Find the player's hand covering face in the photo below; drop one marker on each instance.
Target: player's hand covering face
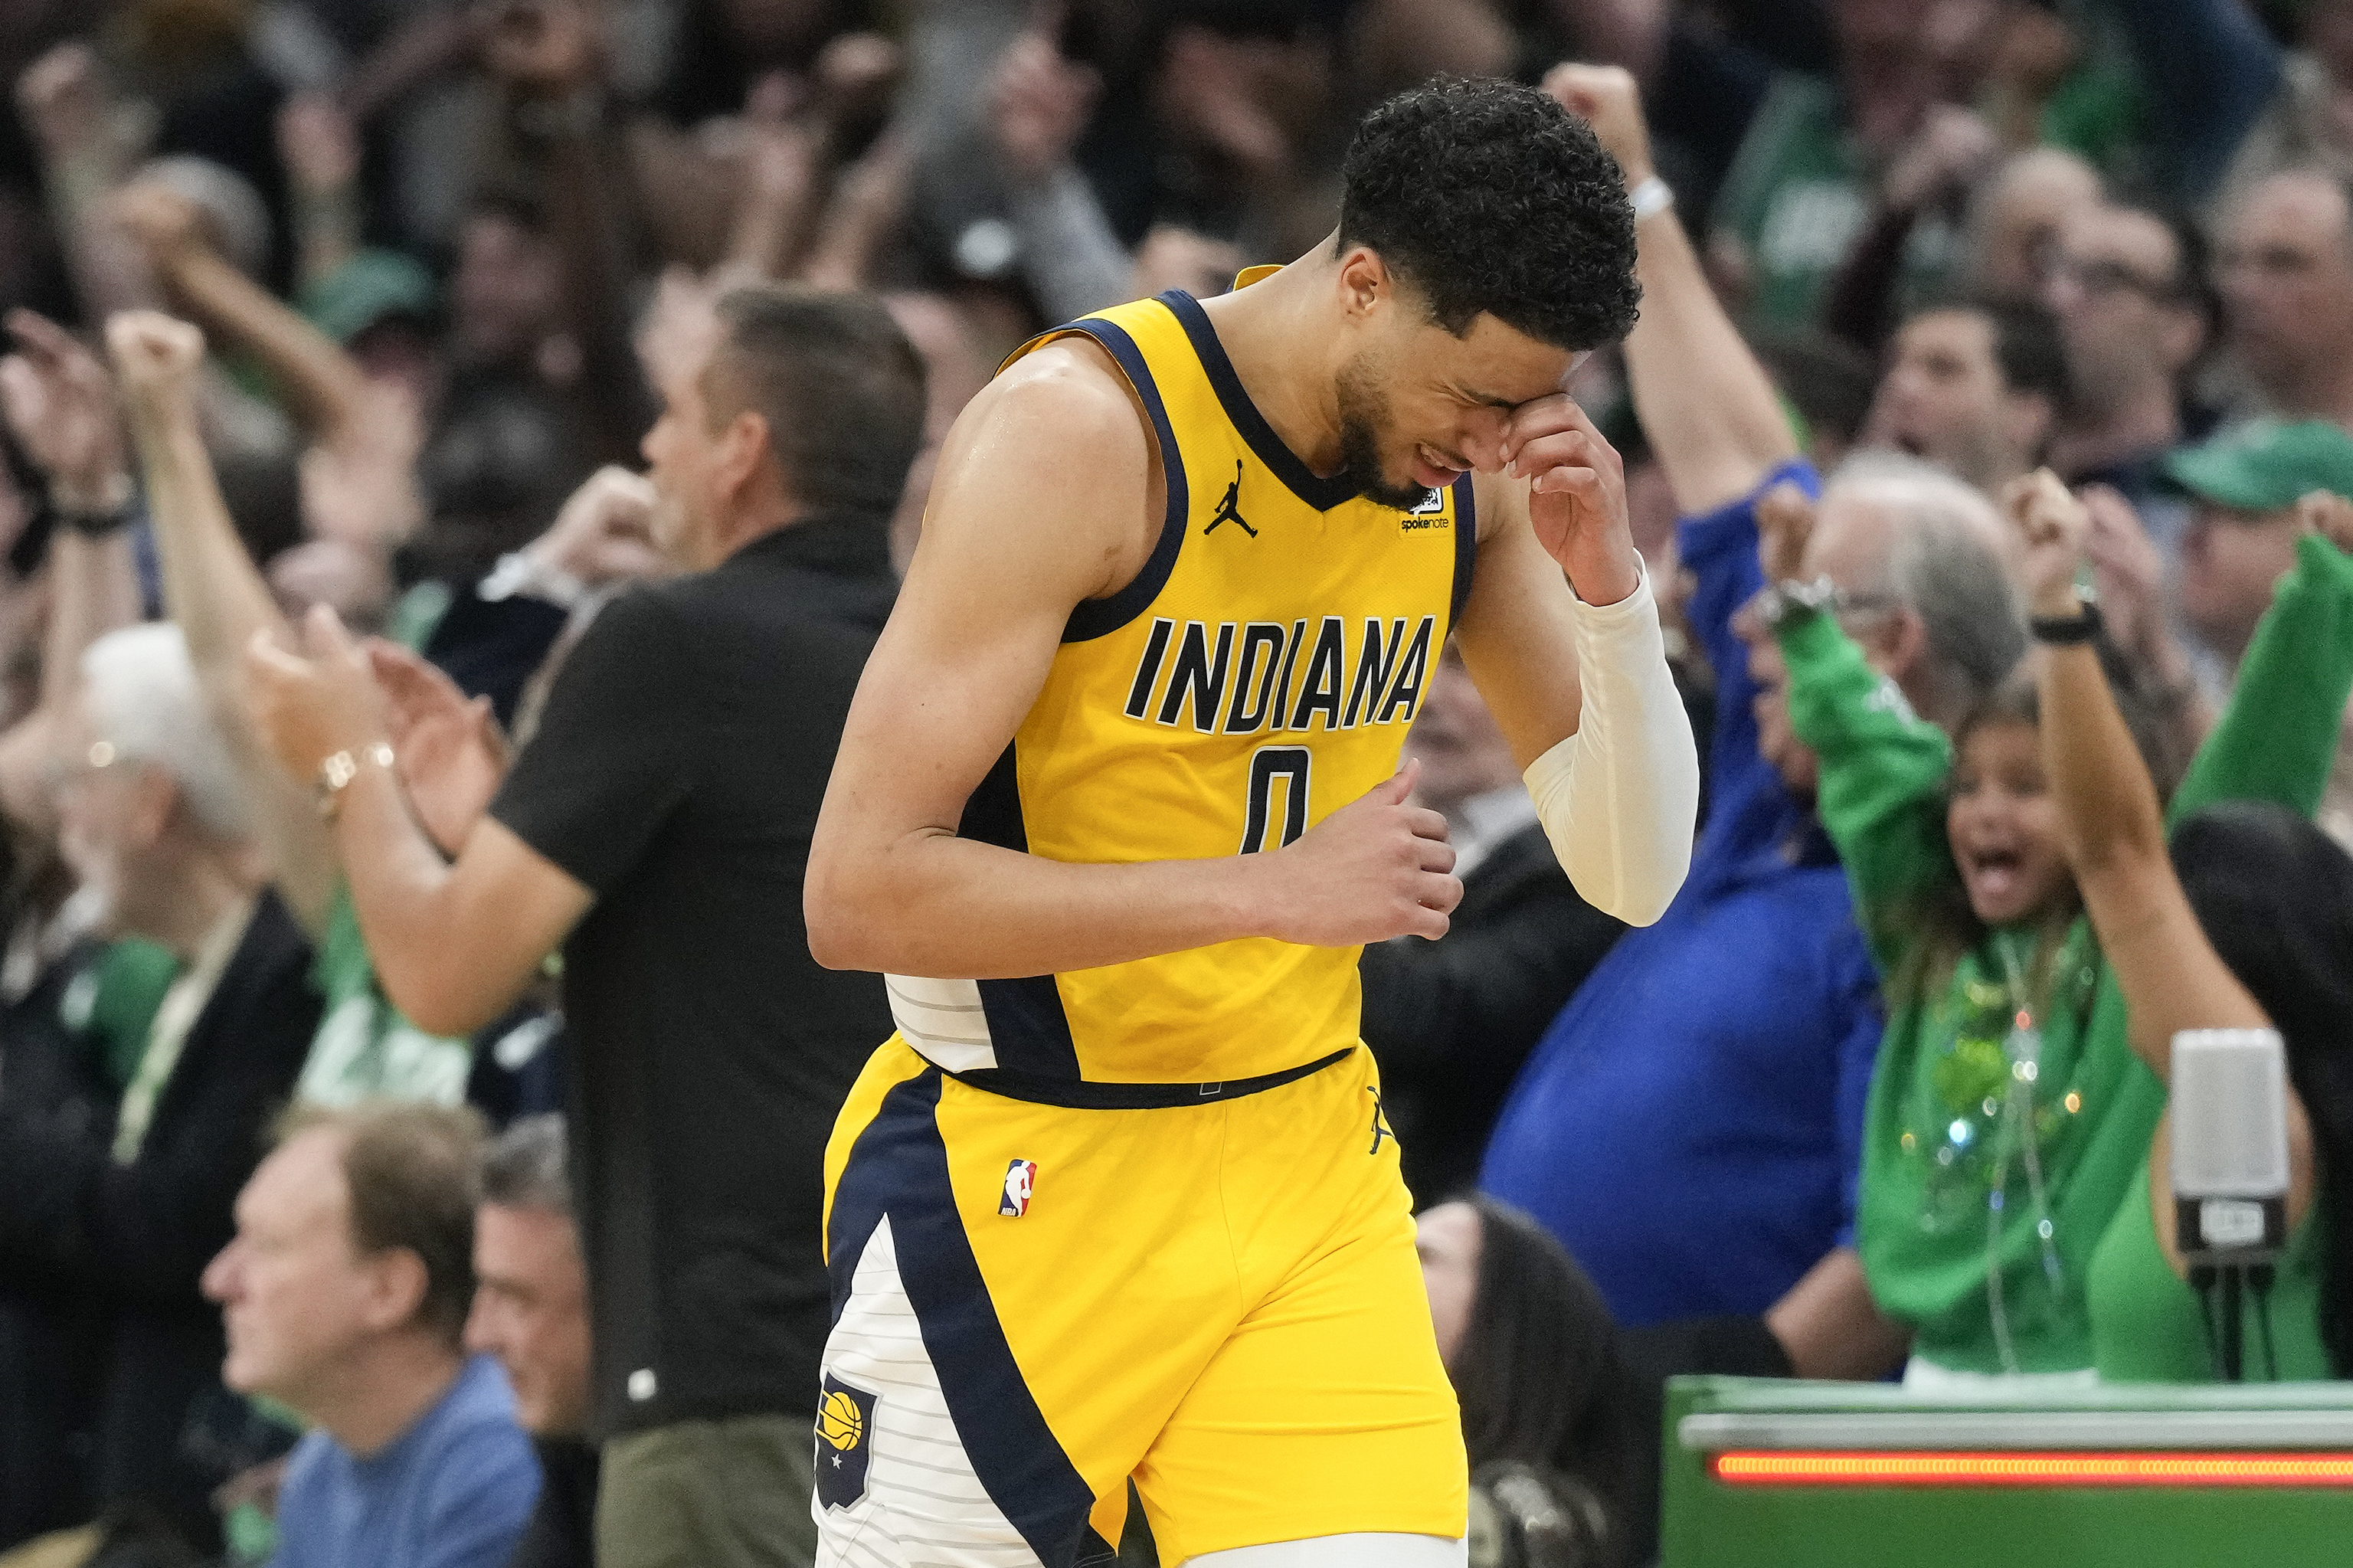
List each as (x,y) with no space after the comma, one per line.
(1420,406)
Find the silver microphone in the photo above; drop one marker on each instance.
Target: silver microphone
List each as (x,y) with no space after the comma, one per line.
(2229,1146)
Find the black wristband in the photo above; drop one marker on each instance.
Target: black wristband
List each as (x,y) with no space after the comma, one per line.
(100,524)
(2067,630)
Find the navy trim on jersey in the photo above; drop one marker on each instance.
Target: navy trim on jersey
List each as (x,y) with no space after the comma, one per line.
(992,813)
(1076,1094)
(1027,1025)
(898,1167)
(1100,617)
(1321,493)
(1466,548)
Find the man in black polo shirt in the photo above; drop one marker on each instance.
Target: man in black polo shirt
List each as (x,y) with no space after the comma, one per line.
(658,826)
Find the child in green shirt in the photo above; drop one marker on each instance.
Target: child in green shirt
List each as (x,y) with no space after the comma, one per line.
(2008,1116)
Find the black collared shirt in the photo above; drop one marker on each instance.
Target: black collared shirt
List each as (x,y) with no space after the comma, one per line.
(677,773)
(563,1528)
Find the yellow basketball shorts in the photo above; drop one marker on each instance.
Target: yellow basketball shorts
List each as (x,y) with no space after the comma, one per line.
(1033,1303)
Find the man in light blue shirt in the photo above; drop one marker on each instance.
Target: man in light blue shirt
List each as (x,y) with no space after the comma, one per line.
(345,1295)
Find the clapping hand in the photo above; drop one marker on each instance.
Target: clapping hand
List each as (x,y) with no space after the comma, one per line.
(605,533)
(316,697)
(360,487)
(2128,570)
(447,749)
(1224,92)
(1952,148)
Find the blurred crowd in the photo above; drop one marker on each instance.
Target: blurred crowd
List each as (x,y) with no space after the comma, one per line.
(364,353)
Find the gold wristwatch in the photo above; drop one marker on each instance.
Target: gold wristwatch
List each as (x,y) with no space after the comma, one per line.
(336,773)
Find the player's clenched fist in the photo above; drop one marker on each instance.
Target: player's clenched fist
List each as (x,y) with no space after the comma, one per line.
(1376,868)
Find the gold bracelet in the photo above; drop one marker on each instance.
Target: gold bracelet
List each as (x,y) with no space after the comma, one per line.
(336,773)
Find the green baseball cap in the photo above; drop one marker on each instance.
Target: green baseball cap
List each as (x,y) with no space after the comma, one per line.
(369,286)
(2265,465)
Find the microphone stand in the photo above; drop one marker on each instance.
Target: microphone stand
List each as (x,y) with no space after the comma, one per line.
(2231,1283)
(2234,1279)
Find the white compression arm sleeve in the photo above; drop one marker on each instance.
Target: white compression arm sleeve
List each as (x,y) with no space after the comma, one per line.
(1618,799)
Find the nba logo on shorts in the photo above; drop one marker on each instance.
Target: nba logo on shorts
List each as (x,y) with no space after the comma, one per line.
(1021,1181)
(845,1430)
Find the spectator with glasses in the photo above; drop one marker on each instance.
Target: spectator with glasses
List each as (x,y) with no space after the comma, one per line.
(2127,286)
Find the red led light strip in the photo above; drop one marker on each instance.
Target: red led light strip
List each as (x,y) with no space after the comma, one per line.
(2001,1468)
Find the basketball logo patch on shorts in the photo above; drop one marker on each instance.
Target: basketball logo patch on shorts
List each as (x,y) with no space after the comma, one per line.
(845,1428)
(1021,1181)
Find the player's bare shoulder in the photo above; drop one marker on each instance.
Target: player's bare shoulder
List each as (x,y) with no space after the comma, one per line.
(1060,435)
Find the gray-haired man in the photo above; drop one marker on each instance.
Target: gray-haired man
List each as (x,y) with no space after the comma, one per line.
(111,1220)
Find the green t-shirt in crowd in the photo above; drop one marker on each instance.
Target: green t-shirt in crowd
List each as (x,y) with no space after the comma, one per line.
(2147,1326)
(364,1049)
(2276,744)
(111,1004)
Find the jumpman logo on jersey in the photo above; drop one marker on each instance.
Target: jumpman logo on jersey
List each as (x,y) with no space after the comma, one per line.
(1226,511)
(1380,1124)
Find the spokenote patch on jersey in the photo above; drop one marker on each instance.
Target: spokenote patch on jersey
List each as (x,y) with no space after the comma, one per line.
(1020,1182)
(845,1430)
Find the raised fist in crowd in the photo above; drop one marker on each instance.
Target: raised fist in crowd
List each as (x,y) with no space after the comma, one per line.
(156,358)
(164,222)
(59,403)
(542,48)
(64,101)
(318,144)
(1606,97)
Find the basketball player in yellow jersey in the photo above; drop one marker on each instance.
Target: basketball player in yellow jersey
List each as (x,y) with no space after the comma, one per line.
(1116,806)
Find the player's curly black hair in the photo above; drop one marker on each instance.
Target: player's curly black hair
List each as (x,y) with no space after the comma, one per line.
(1488,195)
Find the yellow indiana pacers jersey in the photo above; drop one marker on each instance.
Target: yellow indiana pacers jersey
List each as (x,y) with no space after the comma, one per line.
(1257,675)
